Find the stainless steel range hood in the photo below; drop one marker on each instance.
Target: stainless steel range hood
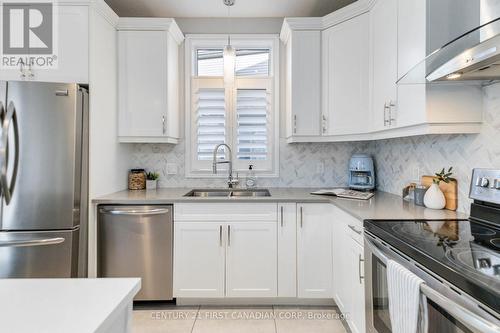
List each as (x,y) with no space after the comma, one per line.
(472,57)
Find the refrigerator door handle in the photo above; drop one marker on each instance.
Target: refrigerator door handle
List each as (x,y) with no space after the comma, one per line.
(10,119)
(32,242)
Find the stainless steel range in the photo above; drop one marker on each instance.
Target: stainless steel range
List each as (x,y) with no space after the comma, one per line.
(459,260)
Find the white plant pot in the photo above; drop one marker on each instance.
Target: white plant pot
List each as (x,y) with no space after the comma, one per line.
(151,184)
(434,197)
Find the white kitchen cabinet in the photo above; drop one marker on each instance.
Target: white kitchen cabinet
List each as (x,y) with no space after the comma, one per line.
(355,257)
(303,81)
(148,74)
(345,68)
(314,251)
(384,61)
(348,260)
(226,254)
(199,259)
(251,259)
(287,250)
(71,44)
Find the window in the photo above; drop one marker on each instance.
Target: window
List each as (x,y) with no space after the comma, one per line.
(244,116)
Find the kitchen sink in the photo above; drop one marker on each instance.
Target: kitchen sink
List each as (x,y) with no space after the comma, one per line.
(227,193)
(250,193)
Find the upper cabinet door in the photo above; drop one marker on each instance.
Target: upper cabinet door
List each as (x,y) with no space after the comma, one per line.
(345,61)
(148,80)
(303,83)
(251,269)
(384,53)
(314,251)
(142,83)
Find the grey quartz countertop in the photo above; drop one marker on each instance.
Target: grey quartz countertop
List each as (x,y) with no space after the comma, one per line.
(382,206)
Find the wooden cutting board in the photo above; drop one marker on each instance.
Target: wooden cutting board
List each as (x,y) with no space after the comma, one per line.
(450,191)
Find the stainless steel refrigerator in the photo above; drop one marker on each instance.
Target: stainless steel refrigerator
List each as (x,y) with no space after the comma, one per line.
(43,179)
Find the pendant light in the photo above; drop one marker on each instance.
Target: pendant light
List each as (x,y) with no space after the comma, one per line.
(229,55)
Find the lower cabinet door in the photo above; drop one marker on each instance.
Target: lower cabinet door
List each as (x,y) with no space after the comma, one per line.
(314,251)
(251,256)
(199,250)
(342,264)
(356,317)
(287,250)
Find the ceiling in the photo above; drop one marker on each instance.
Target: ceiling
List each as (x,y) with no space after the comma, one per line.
(216,8)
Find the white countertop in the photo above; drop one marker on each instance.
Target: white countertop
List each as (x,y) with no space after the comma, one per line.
(63,305)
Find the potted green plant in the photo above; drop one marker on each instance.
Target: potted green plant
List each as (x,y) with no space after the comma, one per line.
(434,198)
(152,180)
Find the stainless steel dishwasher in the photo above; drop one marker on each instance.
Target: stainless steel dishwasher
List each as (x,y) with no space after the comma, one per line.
(136,241)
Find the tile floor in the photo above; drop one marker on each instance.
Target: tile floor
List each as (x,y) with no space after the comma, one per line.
(204,319)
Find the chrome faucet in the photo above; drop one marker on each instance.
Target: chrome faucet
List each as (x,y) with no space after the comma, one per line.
(230,181)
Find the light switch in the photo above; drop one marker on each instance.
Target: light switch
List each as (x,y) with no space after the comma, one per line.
(171,169)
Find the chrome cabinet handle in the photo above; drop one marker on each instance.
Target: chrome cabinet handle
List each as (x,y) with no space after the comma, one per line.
(163,124)
(360,262)
(220,236)
(158,211)
(392,115)
(32,242)
(282,216)
(30,71)
(353,228)
(387,110)
(10,119)
(228,235)
(21,69)
(324,124)
(295,124)
(301,216)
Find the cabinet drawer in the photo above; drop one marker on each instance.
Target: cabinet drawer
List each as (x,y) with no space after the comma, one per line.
(354,227)
(230,212)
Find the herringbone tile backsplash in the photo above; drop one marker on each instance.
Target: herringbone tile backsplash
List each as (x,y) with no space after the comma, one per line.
(396,159)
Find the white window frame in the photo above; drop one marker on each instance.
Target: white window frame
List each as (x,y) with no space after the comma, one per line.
(197,169)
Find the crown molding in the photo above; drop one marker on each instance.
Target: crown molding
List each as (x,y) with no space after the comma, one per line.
(105,11)
(348,12)
(151,24)
(299,23)
(321,23)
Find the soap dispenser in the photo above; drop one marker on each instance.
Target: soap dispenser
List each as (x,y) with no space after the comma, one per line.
(250,180)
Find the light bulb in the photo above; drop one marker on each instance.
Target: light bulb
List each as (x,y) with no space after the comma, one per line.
(229,65)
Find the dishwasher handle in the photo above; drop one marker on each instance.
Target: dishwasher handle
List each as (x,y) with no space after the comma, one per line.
(134,212)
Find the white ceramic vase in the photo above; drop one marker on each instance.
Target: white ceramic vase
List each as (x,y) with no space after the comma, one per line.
(434,197)
(151,184)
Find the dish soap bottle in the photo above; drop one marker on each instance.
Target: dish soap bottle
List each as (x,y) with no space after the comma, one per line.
(250,180)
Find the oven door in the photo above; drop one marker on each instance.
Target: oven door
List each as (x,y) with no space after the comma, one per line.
(446,313)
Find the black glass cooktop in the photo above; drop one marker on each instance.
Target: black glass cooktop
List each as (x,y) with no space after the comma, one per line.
(466,253)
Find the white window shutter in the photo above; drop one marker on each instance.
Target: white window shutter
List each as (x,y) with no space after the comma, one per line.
(252,111)
(210,121)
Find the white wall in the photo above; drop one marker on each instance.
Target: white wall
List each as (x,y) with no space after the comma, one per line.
(270,25)
(109,161)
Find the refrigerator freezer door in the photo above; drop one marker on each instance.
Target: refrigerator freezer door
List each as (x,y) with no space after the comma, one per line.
(45,192)
(44,254)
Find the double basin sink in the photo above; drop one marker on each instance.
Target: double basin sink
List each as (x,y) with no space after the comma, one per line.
(228,193)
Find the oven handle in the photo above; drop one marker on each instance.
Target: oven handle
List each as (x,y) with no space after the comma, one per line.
(466,317)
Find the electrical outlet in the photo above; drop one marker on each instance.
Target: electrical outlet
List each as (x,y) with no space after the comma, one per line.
(171,169)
